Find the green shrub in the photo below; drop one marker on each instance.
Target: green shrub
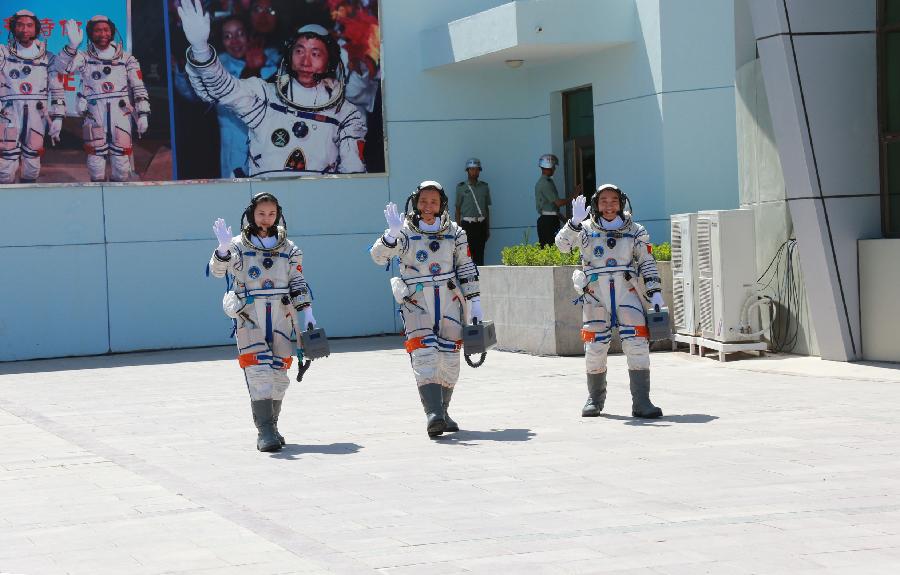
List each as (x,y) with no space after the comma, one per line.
(662,252)
(535,255)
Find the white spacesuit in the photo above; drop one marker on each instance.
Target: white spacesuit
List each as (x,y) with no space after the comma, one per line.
(613,254)
(111,80)
(437,277)
(26,81)
(293,129)
(268,301)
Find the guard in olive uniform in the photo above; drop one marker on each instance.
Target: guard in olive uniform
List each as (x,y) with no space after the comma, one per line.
(547,201)
(473,202)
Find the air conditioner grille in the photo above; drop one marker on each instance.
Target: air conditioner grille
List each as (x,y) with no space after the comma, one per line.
(678,302)
(677,261)
(704,248)
(706,304)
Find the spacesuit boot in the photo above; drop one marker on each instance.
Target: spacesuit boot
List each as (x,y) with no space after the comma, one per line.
(640,395)
(276,410)
(433,402)
(264,418)
(451,425)
(596,383)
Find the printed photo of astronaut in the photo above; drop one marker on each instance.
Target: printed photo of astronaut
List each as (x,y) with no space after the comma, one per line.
(78,103)
(276,88)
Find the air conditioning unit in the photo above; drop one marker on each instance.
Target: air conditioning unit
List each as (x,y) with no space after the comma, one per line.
(726,268)
(684,274)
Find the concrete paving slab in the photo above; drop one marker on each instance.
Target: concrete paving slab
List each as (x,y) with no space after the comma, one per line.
(145,463)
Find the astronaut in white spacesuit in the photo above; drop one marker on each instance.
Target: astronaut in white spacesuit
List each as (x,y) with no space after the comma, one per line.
(109,78)
(26,82)
(615,250)
(437,282)
(269,301)
(300,122)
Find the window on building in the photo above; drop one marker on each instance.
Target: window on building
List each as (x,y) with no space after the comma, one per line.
(889,113)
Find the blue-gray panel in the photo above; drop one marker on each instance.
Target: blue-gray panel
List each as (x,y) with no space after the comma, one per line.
(172,211)
(67,215)
(768,17)
(160,297)
(55,302)
(839,80)
(329,205)
(831,15)
(352,293)
(700,147)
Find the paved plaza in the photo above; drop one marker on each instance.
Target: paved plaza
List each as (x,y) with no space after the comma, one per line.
(146,464)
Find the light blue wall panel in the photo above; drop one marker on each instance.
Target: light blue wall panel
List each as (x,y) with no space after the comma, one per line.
(700,151)
(330,206)
(160,297)
(66,215)
(352,293)
(628,139)
(697,44)
(54,302)
(171,212)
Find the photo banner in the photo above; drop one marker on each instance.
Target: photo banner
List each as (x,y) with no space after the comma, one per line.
(290,89)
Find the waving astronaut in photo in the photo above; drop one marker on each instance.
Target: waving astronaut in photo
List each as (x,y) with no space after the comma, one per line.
(26,82)
(615,250)
(269,300)
(298,122)
(110,77)
(437,280)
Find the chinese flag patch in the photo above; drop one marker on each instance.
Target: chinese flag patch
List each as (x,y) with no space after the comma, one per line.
(649,248)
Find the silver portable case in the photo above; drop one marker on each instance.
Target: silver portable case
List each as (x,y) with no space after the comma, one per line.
(658,325)
(314,343)
(479,337)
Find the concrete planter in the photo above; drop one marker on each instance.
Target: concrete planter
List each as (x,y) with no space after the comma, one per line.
(531,307)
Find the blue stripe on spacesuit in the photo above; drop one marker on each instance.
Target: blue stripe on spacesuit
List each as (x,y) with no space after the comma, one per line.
(252,345)
(437,307)
(632,307)
(453,319)
(613,320)
(269,322)
(287,337)
(306,115)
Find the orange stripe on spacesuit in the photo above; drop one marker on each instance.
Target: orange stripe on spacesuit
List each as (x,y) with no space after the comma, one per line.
(641,331)
(247,359)
(414,344)
(587,336)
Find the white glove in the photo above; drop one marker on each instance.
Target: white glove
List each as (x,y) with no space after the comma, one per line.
(73,33)
(657,301)
(142,122)
(196,27)
(223,234)
(308,317)
(55,129)
(394,222)
(475,310)
(579,211)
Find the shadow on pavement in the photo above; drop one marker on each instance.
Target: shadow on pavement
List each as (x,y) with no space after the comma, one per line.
(463,437)
(662,421)
(292,450)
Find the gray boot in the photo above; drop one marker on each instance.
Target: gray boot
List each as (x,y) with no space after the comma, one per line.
(276,410)
(640,395)
(596,383)
(451,425)
(433,402)
(264,418)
